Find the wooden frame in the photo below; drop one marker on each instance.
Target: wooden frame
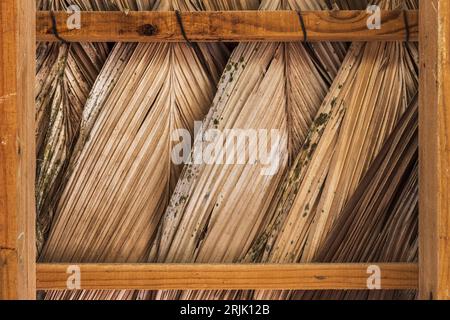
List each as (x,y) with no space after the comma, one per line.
(17,156)
(434,141)
(17,136)
(227,276)
(229,26)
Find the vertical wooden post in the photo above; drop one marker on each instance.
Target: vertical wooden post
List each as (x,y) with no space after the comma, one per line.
(434,247)
(17,149)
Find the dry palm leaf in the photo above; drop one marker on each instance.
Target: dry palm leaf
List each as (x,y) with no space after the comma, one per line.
(386,195)
(122,175)
(255,92)
(88,295)
(364,104)
(380,221)
(215,294)
(65,75)
(291,107)
(357,295)
(217,209)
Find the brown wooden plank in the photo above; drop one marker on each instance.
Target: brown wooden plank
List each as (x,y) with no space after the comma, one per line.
(17,154)
(228,26)
(232,277)
(434,124)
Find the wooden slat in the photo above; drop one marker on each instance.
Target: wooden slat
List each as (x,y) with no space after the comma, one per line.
(232,277)
(434,124)
(229,26)
(17,152)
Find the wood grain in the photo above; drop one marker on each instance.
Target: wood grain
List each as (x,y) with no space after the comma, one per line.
(434,127)
(17,152)
(233,277)
(228,26)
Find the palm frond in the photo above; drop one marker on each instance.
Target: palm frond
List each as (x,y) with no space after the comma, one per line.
(213,205)
(65,74)
(365,103)
(121,174)
(345,189)
(380,221)
(215,211)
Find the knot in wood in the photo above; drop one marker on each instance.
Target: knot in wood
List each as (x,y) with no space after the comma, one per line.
(147,30)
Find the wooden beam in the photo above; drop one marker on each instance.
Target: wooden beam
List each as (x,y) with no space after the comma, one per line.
(434,127)
(231,277)
(17,151)
(228,26)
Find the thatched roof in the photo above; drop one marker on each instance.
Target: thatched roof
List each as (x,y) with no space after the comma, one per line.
(345,185)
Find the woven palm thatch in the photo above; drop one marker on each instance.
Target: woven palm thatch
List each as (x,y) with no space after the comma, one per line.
(255,92)
(380,221)
(378,224)
(217,209)
(121,173)
(143,93)
(345,191)
(88,295)
(386,200)
(65,75)
(365,103)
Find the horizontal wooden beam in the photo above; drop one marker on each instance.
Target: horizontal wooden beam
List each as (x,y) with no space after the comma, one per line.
(227,277)
(228,26)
